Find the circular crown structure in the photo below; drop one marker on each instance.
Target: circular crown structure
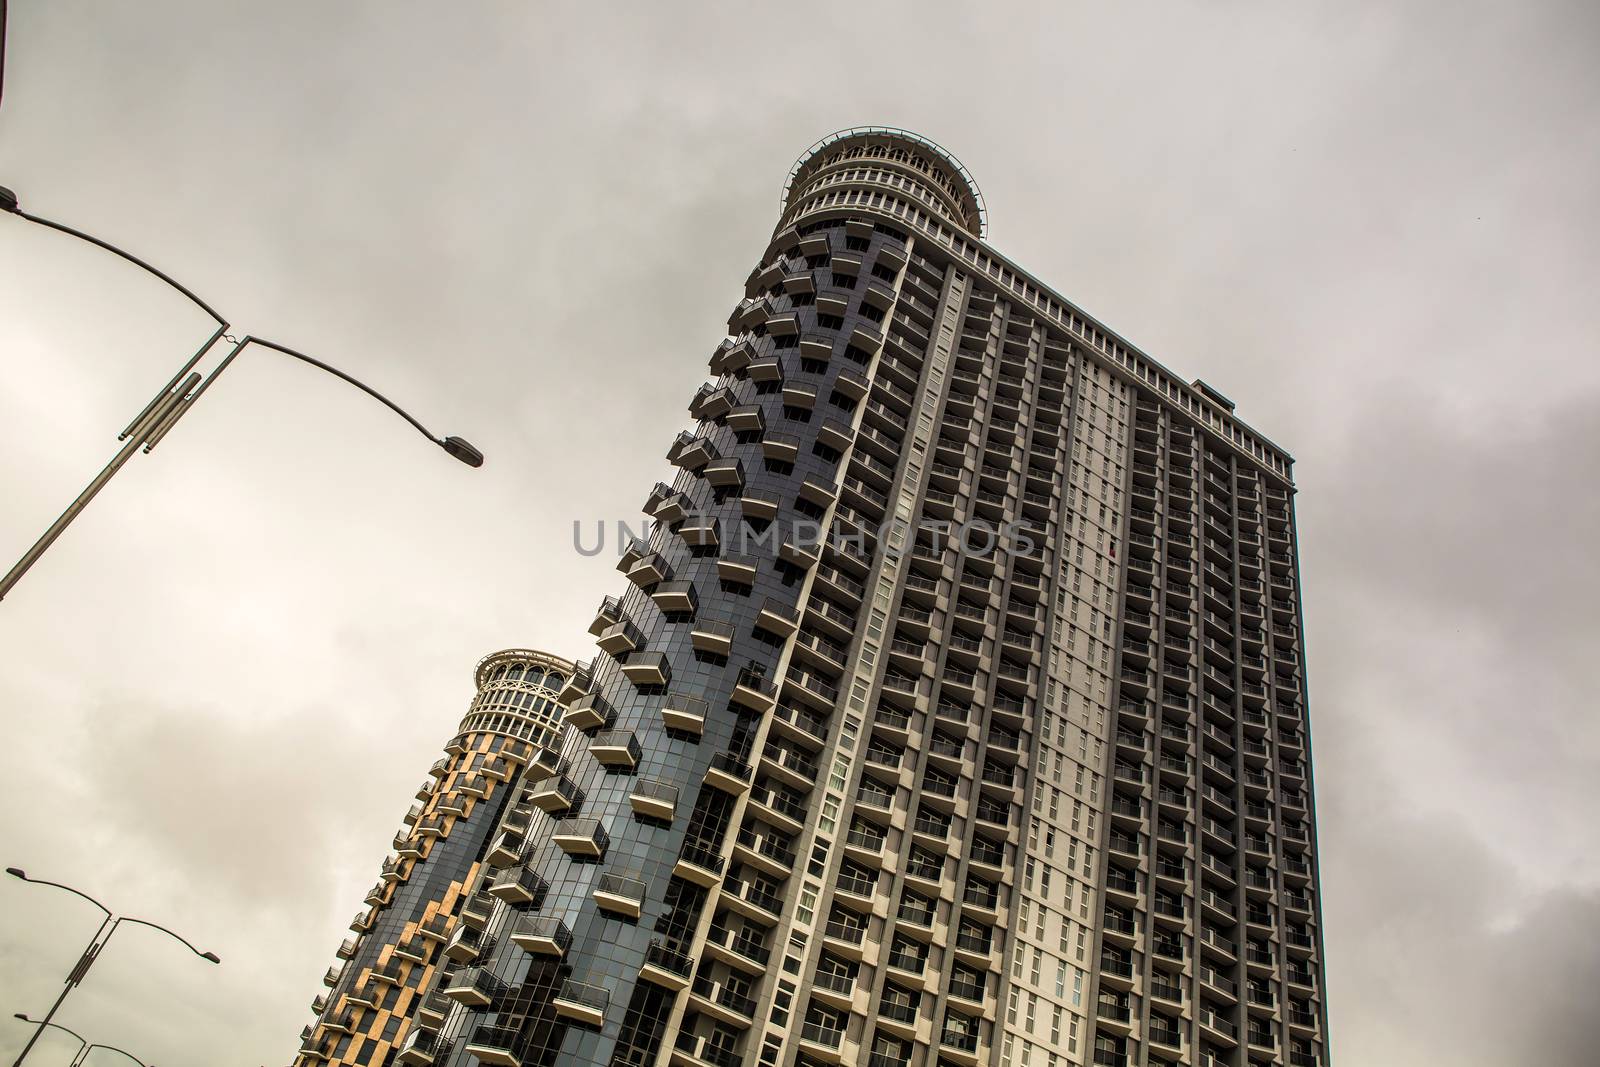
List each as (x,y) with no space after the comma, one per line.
(879,159)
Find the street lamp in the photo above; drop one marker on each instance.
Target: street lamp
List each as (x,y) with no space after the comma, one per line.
(84,1048)
(180,394)
(108,926)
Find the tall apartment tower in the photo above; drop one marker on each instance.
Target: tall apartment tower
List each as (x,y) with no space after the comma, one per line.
(953,712)
(419,916)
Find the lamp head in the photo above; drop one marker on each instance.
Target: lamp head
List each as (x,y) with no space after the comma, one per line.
(463,451)
(8,201)
(212,956)
(17,872)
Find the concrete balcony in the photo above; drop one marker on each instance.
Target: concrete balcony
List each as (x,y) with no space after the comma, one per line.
(542,935)
(618,894)
(582,1003)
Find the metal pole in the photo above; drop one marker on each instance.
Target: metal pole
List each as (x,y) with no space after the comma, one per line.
(158,414)
(59,526)
(75,976)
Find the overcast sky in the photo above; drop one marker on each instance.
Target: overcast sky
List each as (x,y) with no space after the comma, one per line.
(1374,226)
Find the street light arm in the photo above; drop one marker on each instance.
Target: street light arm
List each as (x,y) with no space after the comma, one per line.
(337,373)
(211,956)
(17,873)
(112,1048)
(129,256)
(82,1042)
(455,446)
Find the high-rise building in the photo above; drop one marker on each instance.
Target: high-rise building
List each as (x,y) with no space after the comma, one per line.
(954,711)
(420,915)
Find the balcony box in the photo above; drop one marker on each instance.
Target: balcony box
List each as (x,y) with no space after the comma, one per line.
(785,324)
(607,615)
(647,668)
(413,948)
(545,763)
(728,774)
(713,636)
(698,864)
(878,295)
(364,995)
(748,312)
(814,244)
(760,506)
(777,619)
(506,850)
(331,979)
(576,685)
(724,473)
(851,384)
(518,885)
(765,369)
(476,911)
(833,302)
(582,1003)
(432,1011)
(704,531)
(474,987)
(692,454)
(816,348)
(654,799)
(866,337)
(616,748)
(620,638)
(672,508)
(617,894)
(803,556)
(754,693)
(731,357)
(555,795)
(647,570)
(389,973)
(497,1046)
(835,434)
(474,785)
(581,838)
(737,570)
(747,418)
(666,967)
(589,712)
(684,713)
(422,1048)
(658,492)
(464,945)
(542,935)
(676,597)
(822,1040)
(711,401)
(782,447)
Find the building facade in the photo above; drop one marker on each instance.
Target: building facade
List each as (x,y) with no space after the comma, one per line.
(952,713)
(420,917)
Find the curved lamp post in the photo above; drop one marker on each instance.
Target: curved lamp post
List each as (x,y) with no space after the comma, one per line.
(84,1047)
(180,394)
(108,926)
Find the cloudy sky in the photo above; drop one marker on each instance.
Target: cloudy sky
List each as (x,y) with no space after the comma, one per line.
(1372,225)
